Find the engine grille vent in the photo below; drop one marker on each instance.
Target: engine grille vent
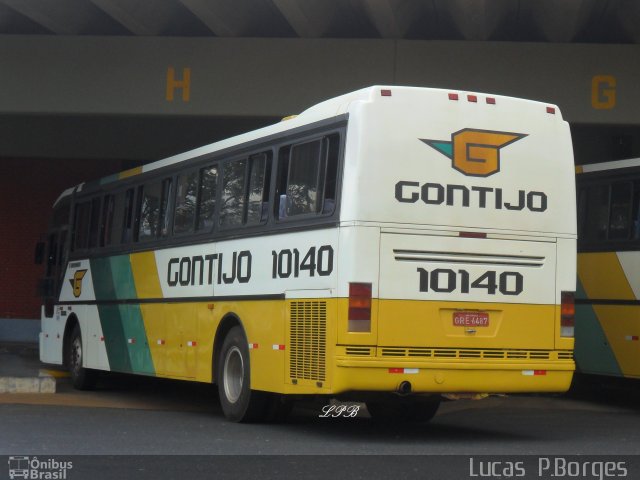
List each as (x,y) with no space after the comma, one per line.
(358,351)
(308,345)
(475,353)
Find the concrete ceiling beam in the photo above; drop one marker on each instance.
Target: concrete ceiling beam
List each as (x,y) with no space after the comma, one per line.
(476,19)
(309,19)
(62,17)
(140,18)
(393,18)
(560,22)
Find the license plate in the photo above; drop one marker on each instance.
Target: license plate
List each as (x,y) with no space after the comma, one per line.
(470,319)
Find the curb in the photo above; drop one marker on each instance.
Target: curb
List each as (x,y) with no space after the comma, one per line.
(43,383)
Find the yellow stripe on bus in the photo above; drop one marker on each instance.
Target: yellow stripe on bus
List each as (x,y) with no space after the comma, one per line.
(130,173)
(618,321)
(602,276)
(145,275)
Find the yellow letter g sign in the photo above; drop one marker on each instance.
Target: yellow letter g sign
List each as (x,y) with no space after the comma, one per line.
(603,92)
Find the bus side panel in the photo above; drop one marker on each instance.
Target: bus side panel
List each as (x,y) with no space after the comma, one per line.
(264,324)
(50,337)
(613,329)
(93,337)
(593,351)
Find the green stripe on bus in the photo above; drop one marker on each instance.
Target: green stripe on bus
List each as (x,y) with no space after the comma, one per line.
(138,346)
(109,179)
(113,279)
(122,325)
(111,320)
(593,353)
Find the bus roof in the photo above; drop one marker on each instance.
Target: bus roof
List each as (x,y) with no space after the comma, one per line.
(322,111)
(604,166)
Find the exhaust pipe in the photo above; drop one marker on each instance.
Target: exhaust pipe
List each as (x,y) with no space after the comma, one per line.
(404,388)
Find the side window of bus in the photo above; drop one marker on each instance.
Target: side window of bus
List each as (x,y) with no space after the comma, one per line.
(106,224)
(185,206)
(620,211)
(52,257)
(258,188)
(95,222)
(127,226)
(636,210)
(206,205)
(113,216)
(331,176)
(232,195)
(596,217)
(609,212)
(61,213)
(305,168)
(81,225)
(307,175)
(153,209)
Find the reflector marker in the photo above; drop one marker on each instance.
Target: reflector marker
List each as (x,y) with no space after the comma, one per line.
(534,373)
(385,93)
(253,346)
(131,340)
(472,98)
(472,234)
(631,338)
(191,344)
(102,339)
(453,96)
(404,370)
(551,110)
(278,347)
(160,341)
(491,100)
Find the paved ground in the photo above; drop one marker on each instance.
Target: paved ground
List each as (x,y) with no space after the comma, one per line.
(152,416)
(129,415)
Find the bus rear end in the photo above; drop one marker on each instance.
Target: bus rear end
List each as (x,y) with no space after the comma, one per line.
(457,245)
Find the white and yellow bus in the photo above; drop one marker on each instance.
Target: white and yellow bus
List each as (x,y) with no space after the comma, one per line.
(392,244)
(608,297)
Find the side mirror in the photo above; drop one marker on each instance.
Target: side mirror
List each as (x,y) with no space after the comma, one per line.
(39,253)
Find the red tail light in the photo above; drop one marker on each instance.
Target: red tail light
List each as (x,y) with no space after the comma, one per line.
(359,307)
(567,314)
(472,234)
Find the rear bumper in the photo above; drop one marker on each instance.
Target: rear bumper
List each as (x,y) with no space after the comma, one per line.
(457,376)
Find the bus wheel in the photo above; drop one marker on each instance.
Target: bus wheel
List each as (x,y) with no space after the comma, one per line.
(404,409)
(81,378)
(239,402)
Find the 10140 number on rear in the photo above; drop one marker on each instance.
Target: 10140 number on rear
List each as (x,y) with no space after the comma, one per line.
(446,280)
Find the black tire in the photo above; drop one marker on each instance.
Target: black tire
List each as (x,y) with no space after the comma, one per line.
(239,403)
(404,409)
(81,378)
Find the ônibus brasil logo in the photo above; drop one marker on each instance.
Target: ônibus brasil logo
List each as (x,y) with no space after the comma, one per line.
(473,152)
(32,468)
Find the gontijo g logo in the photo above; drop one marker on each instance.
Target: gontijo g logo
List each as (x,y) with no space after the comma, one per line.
(474,152)
(76,282)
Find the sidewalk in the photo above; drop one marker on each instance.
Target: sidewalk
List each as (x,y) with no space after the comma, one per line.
(21,370)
